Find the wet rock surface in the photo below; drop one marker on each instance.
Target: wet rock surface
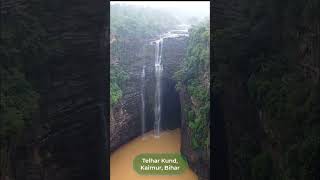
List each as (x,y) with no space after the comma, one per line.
(174,52)
(125,119)
(125,122)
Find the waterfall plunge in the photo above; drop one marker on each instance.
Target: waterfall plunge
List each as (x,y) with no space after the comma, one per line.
(158,73)
(142,100)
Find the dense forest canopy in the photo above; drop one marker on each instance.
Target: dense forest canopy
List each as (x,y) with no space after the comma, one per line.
(128,21)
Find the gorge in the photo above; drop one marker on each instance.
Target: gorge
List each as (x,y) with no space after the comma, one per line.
(54,116)
(150,97)
(56,122)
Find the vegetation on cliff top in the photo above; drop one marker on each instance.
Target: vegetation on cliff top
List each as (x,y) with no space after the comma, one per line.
(133,22)
(131,25)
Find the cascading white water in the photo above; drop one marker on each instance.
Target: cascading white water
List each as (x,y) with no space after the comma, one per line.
(142,100)
(158,73)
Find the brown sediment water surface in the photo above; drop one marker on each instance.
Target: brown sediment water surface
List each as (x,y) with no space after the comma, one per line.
(121,161)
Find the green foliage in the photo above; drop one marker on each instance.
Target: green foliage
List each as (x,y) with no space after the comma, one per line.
(115,84)
(115,93)
(12,123)
(138,22)
(18,103)
(23,49)
(118,76)
(262,167)
(131,25)
(310,155)
(265,53)
(302,158)
(284,94)
(198,91)
(197,58)
(198,116)
(192,75)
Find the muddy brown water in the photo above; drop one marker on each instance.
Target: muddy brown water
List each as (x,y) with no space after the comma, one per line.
(121,167)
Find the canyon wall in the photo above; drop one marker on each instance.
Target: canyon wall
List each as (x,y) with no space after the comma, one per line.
(239,129)
(72,140)
(174,53)
(125,119)
(268,122)
(66,140)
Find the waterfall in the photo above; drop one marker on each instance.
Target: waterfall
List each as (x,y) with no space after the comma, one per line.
(158,73)
(142,100)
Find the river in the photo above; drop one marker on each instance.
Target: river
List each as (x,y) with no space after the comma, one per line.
(121,167)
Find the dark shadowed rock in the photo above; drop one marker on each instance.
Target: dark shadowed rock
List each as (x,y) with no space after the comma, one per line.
(174,51)
(72,140)
(68,141)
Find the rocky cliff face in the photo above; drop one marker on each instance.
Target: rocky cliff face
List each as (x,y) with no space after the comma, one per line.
(125,119)
(72,140)
(236,129)
(126,115)
(68,140)
(273,30)
(174,52)
(198,160)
